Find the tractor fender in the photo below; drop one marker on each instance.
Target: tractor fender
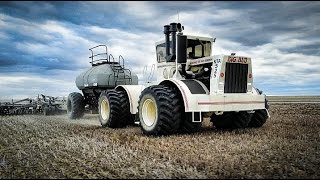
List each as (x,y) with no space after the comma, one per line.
(257,91)
(133,92)
(187,88)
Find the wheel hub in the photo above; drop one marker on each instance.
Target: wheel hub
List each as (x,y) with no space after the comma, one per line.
(149,112)
(105,109)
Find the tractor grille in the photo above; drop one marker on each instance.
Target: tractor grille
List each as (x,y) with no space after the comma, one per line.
(236,78)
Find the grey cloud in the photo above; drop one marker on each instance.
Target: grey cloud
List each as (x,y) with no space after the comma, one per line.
(49,37)
(6,62)
(313,49)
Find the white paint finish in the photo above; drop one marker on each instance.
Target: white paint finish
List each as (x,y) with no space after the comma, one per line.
(133,92)
(219,66)
(219,102)
(217,83)
(165,70)
(225,102)
(183,88)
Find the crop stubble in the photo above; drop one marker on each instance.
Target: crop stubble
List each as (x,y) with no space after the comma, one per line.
(287,146)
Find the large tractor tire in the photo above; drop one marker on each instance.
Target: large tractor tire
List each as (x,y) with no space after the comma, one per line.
(231,120)
(187,126)
(114,109)
(259,117)
(160,110)
(75,105)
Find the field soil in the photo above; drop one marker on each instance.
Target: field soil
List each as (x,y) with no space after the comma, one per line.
(36,146)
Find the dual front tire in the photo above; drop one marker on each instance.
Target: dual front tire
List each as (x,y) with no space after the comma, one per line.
(258,118)
(231,120)
(242,119)
(239,120)
(161,112)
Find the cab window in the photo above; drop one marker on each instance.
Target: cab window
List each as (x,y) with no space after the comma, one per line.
(161,52)
(197,49)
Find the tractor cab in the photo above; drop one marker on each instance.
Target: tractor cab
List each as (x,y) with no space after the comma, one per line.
(196,51)
(197,47)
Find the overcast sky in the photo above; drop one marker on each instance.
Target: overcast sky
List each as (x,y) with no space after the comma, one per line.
(44,45)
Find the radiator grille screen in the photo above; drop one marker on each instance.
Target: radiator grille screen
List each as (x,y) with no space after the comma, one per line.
(236,78)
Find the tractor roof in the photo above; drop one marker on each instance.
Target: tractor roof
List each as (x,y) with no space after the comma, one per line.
(202,38)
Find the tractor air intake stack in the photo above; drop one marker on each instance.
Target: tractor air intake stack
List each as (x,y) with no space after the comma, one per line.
(172,28)
(167,32)
(181,49)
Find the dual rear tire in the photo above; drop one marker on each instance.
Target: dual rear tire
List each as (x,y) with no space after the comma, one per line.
(114,109)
